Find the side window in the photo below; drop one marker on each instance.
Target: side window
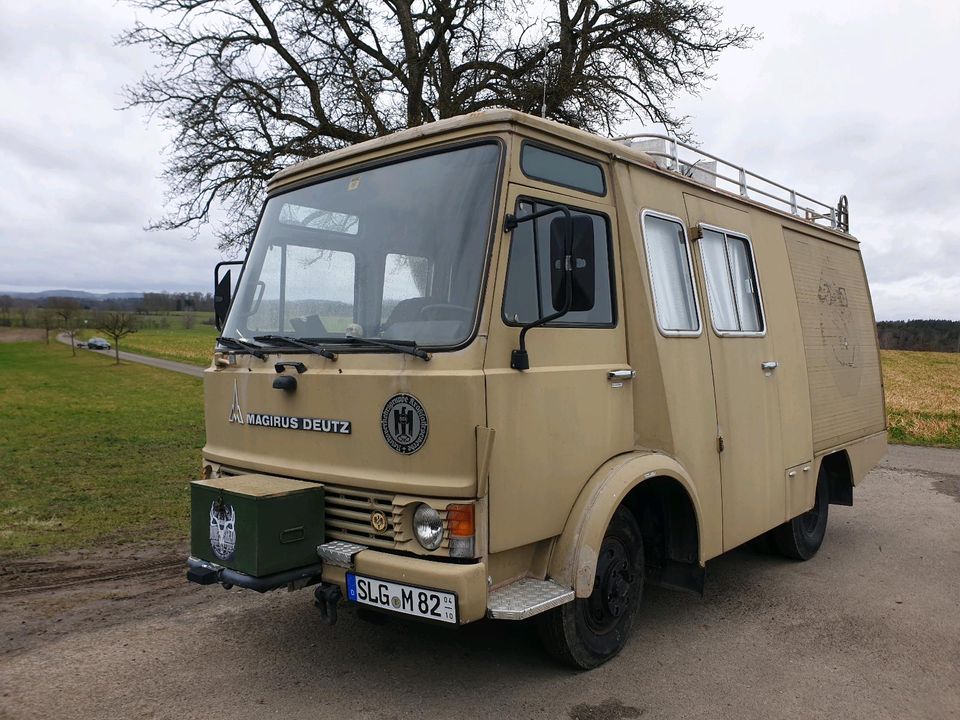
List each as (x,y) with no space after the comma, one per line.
(405,277)
(527,295)
(561,169)
(287,299)
(668,258)
(732,287)
(311,311)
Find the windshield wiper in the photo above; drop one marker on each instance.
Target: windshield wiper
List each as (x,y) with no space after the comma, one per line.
(243,345)
(404,346)
(297,342)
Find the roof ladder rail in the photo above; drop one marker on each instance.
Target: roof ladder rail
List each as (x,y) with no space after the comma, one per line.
(700,166)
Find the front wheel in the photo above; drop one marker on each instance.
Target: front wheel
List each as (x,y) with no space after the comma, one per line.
(801,537)
(589,631)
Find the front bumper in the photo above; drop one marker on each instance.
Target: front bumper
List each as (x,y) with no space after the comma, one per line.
(467,581)
(208,573)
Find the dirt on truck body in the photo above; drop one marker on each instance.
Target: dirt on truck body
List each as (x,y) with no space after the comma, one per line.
(497,367)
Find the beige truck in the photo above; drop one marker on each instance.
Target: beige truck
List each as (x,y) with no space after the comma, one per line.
(495,367)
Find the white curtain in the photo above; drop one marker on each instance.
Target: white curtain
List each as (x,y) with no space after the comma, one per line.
(723,308)
(670,274)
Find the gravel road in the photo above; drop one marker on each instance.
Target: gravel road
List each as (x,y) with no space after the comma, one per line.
(170,365)
(870,628)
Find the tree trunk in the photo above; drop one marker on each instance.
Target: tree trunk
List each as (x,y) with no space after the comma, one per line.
(116,350)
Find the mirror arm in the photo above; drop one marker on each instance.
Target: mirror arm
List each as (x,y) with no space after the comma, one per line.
(519,359)
(510,222)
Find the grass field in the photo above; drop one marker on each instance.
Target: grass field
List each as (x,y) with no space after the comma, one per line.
(923,397)
(93,452)
(194,346)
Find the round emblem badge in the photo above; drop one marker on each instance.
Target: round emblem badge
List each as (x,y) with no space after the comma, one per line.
(378,521)
(404,424)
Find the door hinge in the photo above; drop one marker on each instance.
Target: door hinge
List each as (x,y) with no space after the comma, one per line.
(719,443)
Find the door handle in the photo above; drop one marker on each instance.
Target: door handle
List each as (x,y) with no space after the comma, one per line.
(770,365)
(621,374)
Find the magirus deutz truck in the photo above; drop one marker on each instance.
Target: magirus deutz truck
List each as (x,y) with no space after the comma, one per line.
(495,367)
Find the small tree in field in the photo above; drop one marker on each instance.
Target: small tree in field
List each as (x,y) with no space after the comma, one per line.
(69,314)
(48,321)
(117,325)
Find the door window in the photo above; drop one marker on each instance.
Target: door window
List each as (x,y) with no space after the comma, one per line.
(527,295)
(732,287)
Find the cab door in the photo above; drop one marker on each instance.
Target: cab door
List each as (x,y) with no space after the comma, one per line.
(744,363)
(571,411)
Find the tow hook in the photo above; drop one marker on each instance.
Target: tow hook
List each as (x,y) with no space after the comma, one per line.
(326,597)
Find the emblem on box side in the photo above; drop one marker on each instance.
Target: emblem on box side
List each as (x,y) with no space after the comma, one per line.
(223,530)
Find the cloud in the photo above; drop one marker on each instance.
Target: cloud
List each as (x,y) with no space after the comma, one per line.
(855,99)
(80,177)
(837,98)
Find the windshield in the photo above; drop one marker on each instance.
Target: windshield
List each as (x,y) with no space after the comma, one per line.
(394,253)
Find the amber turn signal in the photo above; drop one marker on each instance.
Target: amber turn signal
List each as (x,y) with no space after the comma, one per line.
(460,520)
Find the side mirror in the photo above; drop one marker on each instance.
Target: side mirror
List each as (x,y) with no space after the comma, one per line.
(578,232)
(222,292)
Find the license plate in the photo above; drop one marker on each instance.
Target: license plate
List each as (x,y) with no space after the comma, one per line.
(407,599)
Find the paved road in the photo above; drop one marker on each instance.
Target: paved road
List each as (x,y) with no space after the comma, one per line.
(870,628)
(144,359)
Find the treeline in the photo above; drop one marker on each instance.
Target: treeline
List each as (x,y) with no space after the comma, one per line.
(31,312)
(935,335)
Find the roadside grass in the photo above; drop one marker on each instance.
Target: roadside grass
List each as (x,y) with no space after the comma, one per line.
(923,397)
(92,452)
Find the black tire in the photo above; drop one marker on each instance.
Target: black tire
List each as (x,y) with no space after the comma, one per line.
(589,631)
(801,537)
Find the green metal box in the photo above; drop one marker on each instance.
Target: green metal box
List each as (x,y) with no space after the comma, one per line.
(256,524)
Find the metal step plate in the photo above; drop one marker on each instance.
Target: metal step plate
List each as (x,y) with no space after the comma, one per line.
(339,552)
(526,598)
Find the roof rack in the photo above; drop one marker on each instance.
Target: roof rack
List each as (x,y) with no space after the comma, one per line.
(672,154)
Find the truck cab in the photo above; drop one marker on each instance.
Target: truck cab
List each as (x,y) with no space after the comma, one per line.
(498,367)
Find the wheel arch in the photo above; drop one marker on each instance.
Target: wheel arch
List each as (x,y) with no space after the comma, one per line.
(839,473)
(625,479)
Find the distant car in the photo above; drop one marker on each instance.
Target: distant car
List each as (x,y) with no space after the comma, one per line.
(98,344)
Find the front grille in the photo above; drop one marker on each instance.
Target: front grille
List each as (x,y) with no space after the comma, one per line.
(348,516)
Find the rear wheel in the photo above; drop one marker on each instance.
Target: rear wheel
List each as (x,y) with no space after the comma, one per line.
(801,537)
(589,631)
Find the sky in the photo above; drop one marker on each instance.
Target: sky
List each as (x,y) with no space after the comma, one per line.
(854,98)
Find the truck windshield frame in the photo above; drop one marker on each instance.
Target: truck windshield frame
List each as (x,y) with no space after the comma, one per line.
(328,255)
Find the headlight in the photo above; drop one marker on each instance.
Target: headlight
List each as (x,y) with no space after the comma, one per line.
(428,527)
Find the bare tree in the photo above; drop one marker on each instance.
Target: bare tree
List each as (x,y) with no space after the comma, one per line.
(68,312)
(189,319)
(6,302)
(23,311)
(48,321)
(117,325)
(250,86)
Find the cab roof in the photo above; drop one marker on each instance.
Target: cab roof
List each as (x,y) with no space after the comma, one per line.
(494,120)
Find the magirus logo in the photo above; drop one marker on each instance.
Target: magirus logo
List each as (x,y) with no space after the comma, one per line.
(236,414)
